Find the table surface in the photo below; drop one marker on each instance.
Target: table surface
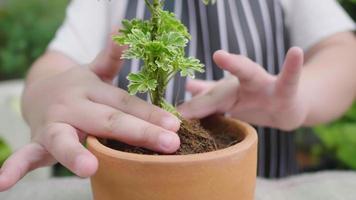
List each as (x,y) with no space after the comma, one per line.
(329,185)
(13,129)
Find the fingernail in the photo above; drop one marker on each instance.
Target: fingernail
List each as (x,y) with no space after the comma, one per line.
(227,54)
(170,123)
(167,141)
(224,52)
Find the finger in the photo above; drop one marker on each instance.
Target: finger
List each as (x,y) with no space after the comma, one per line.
(26,159)
(196,87)
(62,142)
(121,100)
(288,79)
(242,67)
(107,122)
(217,100)
(108,63)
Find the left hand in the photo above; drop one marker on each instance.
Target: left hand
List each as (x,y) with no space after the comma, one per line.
(251,94)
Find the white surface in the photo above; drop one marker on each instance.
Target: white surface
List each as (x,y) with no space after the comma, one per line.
(330,185)
(318,186)
(12,127)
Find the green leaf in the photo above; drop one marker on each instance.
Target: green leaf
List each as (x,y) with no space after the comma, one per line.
(155,48)
(151,84)
(140,83)
(136,77)
(165,64)
(5,151)
(174,39)
(170,23)
(128,25)
(133,88)
(139,35)
(189,66)
(133,53)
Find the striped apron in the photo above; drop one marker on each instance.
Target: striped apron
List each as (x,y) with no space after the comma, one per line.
(254,28)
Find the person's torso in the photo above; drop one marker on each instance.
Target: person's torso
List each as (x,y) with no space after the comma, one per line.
(254,28)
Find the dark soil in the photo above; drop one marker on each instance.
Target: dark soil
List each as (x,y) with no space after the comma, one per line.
(196,136)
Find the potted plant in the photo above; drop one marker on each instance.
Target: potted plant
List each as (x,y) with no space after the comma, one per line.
(218,155)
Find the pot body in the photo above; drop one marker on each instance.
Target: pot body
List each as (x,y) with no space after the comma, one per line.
(227,174)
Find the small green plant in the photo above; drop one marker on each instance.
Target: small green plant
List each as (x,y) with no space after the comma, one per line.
(159,43)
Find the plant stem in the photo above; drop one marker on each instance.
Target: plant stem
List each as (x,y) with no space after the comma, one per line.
(156,6)
(157,95)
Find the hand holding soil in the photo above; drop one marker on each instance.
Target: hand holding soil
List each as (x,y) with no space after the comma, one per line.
(63,108)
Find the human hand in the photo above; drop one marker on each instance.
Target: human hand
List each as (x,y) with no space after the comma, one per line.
(62,109)
(251,94)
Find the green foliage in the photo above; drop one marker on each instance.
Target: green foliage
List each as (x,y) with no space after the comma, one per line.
(141,83)
(350,7)
(160,43)
(5,151)
(26,28)
(339,138)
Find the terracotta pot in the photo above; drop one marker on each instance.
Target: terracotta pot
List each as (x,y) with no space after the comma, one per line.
(227,174)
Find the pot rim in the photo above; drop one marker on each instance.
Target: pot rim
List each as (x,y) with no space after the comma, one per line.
(250,138)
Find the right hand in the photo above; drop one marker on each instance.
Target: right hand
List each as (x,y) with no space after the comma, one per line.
(62,109)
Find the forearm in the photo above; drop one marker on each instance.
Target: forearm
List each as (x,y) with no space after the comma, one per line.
(328,83)
(49,64)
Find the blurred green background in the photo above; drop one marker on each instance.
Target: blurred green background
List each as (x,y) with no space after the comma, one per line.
(26,27)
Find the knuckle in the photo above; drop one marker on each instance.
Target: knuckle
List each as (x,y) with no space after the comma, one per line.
(210,93)
(124,99)
(147,135)
(113,121)
(52,132)
(151,115)
(154,115)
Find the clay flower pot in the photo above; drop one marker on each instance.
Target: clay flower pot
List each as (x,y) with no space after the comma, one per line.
(226,174)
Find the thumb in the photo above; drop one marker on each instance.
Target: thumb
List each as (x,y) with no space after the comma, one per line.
(197,87)
(108,63)
(288,79)
(240,66)
(218,99)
